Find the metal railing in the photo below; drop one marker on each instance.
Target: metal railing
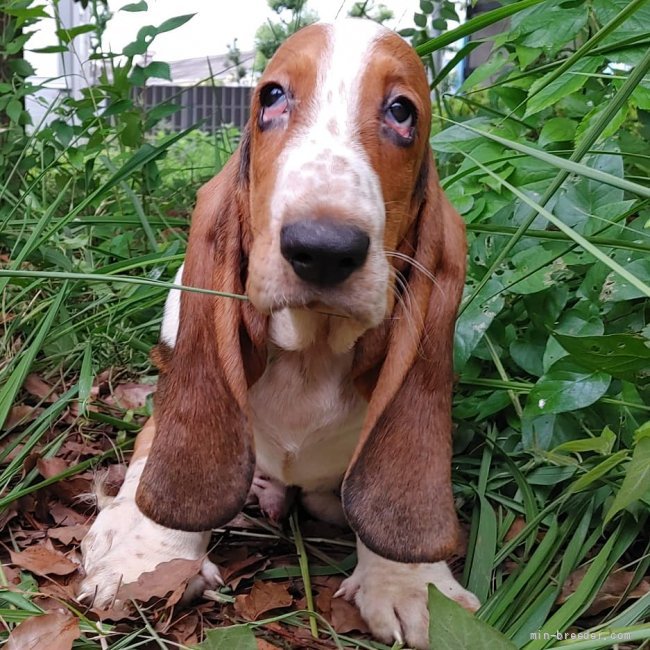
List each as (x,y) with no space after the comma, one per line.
(213,106)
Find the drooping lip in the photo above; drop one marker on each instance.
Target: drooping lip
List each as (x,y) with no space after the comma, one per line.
(359,313)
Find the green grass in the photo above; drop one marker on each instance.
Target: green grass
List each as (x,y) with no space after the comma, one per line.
(549,166)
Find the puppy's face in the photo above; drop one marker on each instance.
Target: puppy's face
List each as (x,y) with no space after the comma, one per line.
(339,131)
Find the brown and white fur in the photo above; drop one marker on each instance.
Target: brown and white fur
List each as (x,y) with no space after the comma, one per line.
(344,389)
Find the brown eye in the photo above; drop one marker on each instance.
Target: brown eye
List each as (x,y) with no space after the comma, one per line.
(400,116)
(275,103)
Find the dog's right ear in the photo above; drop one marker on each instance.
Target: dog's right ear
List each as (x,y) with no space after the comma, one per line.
(201,462)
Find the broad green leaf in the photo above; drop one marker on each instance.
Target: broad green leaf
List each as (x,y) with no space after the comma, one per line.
(14,110)
(238,637)
(636,482)
(453,628)
(602,444)
(457,137)
(68,34)
(565,387)
(574,322)
(474,322)
(617,288)
(570,82)
(636,25)
(173,23)
(557,129)
(525,279)
(493,65)
(527,55)
(620,355)
(155,69)
(135,6)
(612,127)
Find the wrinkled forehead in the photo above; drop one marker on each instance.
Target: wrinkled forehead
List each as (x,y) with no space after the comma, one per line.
(348,63)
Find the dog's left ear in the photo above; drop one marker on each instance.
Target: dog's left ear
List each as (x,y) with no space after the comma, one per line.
(397,492)
(201,462)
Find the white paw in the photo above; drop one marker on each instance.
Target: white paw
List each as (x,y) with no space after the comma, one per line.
(392,597)
(122,544)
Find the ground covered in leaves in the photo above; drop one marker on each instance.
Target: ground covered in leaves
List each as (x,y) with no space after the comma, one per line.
(41,533)
(259,561)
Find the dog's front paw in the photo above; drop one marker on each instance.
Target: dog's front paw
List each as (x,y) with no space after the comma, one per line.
(122,544)
(392,597)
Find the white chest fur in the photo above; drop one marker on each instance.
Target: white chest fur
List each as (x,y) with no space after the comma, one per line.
(306,414)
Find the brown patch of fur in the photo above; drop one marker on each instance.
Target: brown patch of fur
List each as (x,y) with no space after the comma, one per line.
(201,462)
(397,492)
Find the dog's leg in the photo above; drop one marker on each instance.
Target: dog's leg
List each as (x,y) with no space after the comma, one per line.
(392,596)
(122,543)
(325,505)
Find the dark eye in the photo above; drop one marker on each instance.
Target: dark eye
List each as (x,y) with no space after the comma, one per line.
(400,116)
(275,103)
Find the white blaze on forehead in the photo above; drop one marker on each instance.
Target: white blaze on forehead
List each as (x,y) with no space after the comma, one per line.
(325,160)
(338,94)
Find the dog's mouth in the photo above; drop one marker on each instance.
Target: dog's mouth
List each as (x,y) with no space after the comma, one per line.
(320,307)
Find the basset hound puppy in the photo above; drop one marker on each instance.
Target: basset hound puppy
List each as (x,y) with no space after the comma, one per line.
(336,375)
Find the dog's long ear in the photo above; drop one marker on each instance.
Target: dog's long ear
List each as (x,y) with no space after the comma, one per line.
(201,463)
(397,491)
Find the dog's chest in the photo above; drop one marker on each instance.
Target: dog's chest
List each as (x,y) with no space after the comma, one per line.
(306,417)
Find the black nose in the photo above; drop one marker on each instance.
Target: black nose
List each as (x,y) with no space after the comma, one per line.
(322,251)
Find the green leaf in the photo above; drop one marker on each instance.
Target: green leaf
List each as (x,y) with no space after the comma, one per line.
(458,137)
(14,110)
(617,288)
(66,35)
(548,94)
(636,482)
(557,129)
(599,471)
(565,387)
(524,279)
(603,444)
(620,355)
(420,20)
(50,49)
(474,25)
(140,74)
(426,6)
(612,127)
(453,628)
(135,6)
(158,70)
(173,23)
(474,322)
(527,55)
(493,65)
(238,637)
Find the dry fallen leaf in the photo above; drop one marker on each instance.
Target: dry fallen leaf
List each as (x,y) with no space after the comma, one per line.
(44,561)
(68,534)
(264,596)
(167,577)
(21,413)
(40,388)
(610,592)
(53,631)
(343,616)
(130,396)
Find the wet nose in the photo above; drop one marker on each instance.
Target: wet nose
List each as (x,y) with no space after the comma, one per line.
(323,252)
